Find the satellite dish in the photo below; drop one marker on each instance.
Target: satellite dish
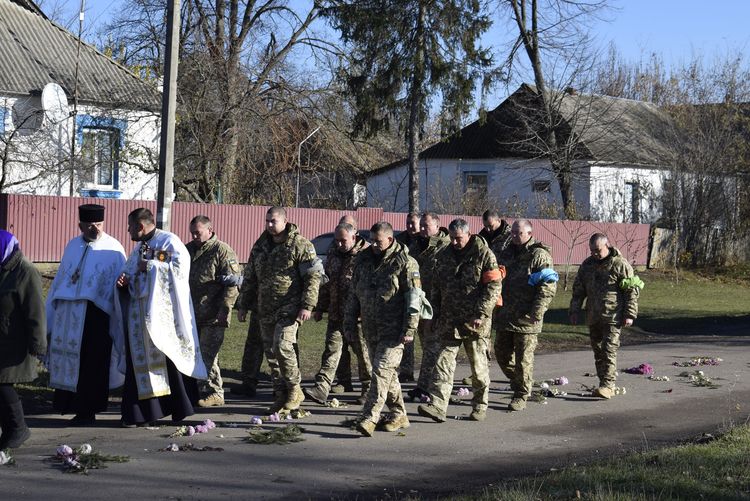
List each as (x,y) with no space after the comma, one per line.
(55,103)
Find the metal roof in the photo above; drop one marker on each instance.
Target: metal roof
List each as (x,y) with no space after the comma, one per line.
(35,51)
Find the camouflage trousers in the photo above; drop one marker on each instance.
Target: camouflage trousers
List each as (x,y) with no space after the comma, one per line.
(515,355)
(385,388)
(252,357)
(279,339)
(429,339)
(211,338)
(441,384)
(332,357)
(605,339)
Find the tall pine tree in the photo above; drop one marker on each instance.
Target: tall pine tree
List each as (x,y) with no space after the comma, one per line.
(402,54)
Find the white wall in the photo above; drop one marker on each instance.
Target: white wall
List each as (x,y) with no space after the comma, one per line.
(42,150)
(442,180)
(610,195)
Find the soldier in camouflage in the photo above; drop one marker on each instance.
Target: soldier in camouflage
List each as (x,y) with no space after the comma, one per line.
(281,283)
(213,269)
(466,287)
(496,232)
(385,293)
(433,240)
(409,238)
(606,282)
(528,290)
(339,268)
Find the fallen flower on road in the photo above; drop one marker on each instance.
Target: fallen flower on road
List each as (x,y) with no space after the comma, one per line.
(646,369)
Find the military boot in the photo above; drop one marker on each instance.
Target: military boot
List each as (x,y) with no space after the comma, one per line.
(603,392)
(15,431)
(432,412)
(478,415)
(366,427)
(517,404)
(294,398)
(317,394)
(396,423)
(278,404)
(213,400)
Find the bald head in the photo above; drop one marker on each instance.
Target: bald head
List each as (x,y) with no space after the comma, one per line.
(520,232)
(350,220)
(599,246)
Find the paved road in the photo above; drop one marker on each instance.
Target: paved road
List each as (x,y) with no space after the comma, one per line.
(431,458)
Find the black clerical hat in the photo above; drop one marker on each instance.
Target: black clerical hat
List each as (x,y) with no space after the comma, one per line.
(91,213)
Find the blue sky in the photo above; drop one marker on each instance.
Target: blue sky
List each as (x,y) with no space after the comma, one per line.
(674,28)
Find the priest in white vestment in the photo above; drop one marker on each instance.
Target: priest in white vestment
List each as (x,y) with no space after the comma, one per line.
(85,336)
(163,356)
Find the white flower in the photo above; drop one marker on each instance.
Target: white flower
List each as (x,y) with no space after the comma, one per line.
(85,449)
(5,458)
(544,386)
(173,447)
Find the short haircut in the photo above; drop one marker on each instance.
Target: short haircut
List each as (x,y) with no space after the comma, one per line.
(431,215)
(491,214)
(349,219)
(524,223)
(382,227)
(279,211)
(142,215)
(200,219)
(459,225)
(412,215)
(346,227)
(598,237)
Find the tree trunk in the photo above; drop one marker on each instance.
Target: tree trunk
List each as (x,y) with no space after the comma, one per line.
(565,181)
(415,105)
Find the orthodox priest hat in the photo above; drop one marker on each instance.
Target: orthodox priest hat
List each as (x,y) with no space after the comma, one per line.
(91,213)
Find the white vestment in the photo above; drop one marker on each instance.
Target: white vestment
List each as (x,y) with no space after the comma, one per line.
(159,311)
(88,272)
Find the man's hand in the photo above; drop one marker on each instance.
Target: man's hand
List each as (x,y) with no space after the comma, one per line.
(303,315)
(476,323)
(407,338)
(627,322)
(317,315)
(122,281)
(241,315)
(573,318)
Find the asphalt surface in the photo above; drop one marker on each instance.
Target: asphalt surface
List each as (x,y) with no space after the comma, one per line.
(429,459)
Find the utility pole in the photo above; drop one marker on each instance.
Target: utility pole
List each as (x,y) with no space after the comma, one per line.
(299,163)
(168,108)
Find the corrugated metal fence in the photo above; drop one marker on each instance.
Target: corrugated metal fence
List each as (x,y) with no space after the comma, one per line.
(44,225)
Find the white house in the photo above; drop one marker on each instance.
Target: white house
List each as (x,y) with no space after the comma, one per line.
(58,95)
(621,152)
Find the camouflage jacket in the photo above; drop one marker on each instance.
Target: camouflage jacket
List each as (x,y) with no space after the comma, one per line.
(409,241)
(462,290)
(599,283)
(499,239)
(208,264)
(425,252)
(280,279)
(339,267)
(378,294)
(523,302)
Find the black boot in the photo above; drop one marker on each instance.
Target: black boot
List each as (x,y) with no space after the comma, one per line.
(15,431)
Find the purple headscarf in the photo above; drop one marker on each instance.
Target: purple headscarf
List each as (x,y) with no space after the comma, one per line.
(8,245)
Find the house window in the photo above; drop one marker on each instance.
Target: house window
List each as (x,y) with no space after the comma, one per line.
(99,155)
(541,186)
(632,201)
(475,183)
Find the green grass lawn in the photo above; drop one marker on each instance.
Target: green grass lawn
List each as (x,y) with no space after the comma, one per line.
(694,304)
(719,469)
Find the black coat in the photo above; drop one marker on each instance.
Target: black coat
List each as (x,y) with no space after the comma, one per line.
(22,320)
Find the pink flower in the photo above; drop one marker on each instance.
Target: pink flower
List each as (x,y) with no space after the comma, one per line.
(274,417)
(255,420)
(463,392)
(201,428)
(425,399)
(64,450)
(562,380)
(209,424)
(190,431)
